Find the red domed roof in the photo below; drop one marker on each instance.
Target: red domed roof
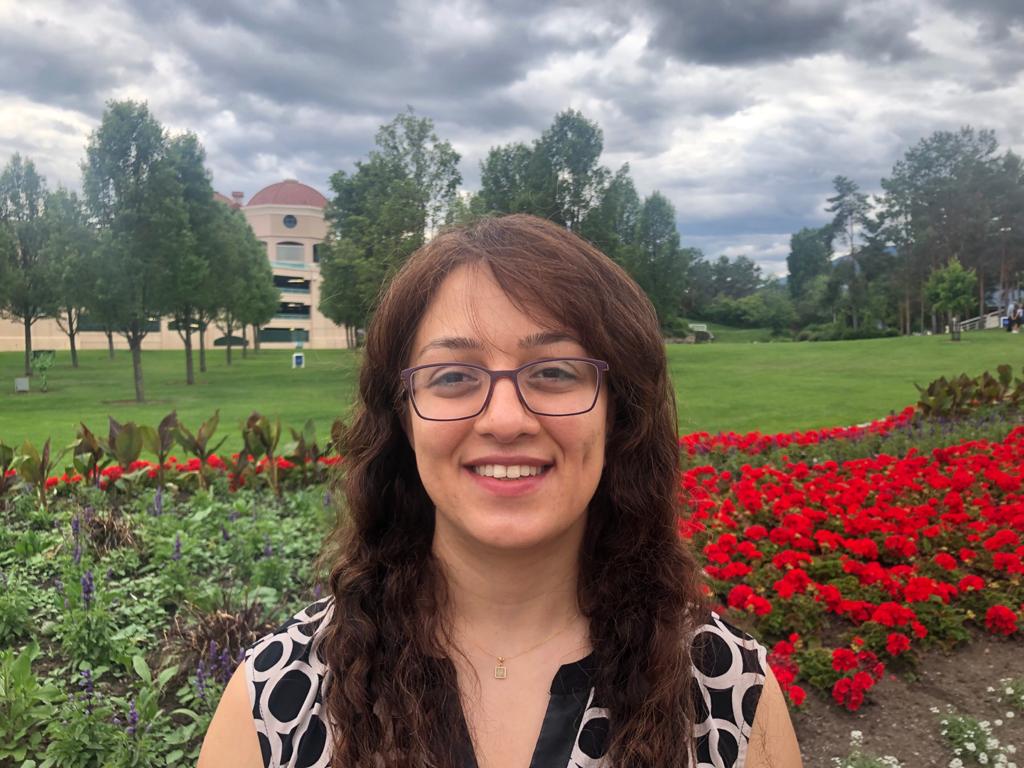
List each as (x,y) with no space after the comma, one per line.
(288,192)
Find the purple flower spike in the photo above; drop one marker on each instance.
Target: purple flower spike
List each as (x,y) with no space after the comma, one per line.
(158,502)
(76,554)
(76,526)
(176,554)
(268,550)
(88,589)
(133,718)
(224,534)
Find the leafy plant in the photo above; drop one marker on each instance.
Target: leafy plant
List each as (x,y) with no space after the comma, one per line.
(88,454)
(83,734)
(973,742)
(6,462)
(198,444)
(26,705)
(261,439)
(159,442)
(860,759)
(305,452)
(35,467)
(42,362)
(15,614)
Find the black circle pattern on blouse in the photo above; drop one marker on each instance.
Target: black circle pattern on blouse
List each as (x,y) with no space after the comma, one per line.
(285,672)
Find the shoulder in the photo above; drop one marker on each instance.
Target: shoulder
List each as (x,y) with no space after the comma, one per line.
(724,655)
(285,676)
(729,671)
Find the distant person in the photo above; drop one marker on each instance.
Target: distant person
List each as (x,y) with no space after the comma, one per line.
(1011,310)
(509,587)
(1018,318)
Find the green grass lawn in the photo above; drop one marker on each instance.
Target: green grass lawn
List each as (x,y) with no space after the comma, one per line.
(770,387)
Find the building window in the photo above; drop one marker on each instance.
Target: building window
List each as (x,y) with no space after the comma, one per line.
(316,253)
(295,252)
(290,221)
(292,309)
(288,284)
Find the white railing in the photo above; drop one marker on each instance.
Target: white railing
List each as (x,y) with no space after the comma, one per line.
(981,322)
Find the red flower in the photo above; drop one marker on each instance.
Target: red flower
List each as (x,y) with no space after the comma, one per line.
(945,561)
(897,643)
(796,695)
(843,660)
(1000,620)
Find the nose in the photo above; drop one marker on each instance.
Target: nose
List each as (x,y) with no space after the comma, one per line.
(505,416)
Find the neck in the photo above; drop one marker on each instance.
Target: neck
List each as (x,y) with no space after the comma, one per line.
(504,601)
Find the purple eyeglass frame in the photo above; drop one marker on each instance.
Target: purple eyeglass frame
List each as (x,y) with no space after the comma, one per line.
(512,374)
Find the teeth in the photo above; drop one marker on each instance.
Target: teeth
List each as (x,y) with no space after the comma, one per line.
(507,472)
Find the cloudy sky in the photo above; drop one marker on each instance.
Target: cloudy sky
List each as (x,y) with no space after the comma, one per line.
(740,111)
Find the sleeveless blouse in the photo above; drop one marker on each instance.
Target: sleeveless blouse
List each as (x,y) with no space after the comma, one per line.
(285,675)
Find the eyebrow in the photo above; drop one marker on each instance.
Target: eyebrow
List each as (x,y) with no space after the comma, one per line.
(539,339)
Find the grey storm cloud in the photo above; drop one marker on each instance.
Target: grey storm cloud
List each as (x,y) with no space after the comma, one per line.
(739,32)
(741,112)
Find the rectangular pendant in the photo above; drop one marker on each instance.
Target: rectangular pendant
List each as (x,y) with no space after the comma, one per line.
(500,673)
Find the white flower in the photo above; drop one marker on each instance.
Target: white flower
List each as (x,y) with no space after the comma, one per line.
(997,722)
(970,746)
(983,758)
(956,762)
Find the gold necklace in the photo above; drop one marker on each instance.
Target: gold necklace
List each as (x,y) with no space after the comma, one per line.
(501,671)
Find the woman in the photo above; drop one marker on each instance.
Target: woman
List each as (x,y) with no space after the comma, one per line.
(510,588)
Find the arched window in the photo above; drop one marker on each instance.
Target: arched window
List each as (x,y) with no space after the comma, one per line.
(291,252)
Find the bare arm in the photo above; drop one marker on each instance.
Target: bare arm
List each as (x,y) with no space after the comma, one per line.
(231,739)
(772,739)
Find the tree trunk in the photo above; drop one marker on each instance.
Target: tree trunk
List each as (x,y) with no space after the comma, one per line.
(245,341)
(28,347)
(190,373)
(229,327)
(202,347)
(110,343)
(256,338)
(981,298)
(72,332)
(135,342)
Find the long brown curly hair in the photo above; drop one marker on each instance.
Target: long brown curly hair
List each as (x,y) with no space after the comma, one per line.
(391,700)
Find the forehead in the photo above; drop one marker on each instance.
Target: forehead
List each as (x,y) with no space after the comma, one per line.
(470,305)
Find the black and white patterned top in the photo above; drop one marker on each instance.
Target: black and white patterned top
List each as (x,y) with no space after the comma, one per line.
(285,673)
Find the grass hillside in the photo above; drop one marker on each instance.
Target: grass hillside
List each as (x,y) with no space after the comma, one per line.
(722,386)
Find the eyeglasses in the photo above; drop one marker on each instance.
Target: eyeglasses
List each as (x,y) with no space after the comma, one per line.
(553,386)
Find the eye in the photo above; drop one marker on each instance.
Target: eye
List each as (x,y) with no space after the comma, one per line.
(451,380)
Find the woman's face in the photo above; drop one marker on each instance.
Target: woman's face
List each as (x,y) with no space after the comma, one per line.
(471,320)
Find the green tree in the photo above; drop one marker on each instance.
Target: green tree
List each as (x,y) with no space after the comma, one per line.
(565,171)
(30,292)
(661,264)
(190,271)
(940,202)
(735,278)
(850,209)
(612,225)
(383,212)
(951,289)
(504,180)
(133,192)
(242,268)
(810,255)
(262,300)
(70,241)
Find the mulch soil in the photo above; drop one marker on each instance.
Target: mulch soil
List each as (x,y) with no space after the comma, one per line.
(898,721)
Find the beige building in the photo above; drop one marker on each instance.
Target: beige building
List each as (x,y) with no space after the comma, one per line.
(289,218)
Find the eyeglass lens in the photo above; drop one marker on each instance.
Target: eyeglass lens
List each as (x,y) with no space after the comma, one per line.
(549,388)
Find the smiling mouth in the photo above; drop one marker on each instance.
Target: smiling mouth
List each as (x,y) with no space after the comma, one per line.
(509,472)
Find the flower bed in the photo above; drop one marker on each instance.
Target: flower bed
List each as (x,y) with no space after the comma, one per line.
(849,551)
(861,564)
